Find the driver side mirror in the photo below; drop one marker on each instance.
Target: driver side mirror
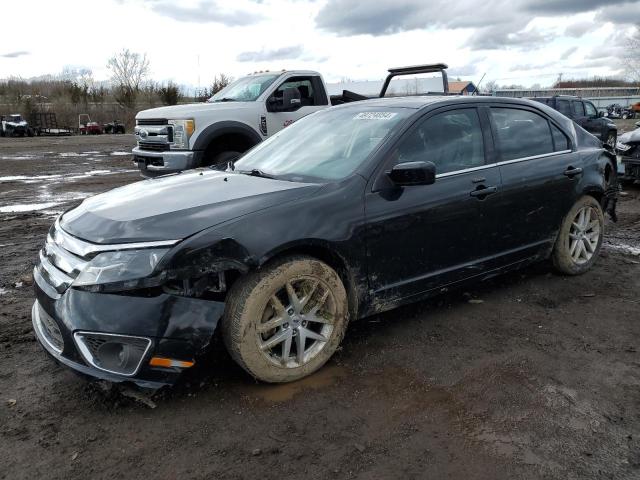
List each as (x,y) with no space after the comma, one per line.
(601,113)
(413,173)
(289,102)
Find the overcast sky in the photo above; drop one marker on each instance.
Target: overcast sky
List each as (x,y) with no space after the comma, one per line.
(189,41)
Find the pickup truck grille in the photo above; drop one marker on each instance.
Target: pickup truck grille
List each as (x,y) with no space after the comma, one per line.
(152,121)
(154,135)
(156,147)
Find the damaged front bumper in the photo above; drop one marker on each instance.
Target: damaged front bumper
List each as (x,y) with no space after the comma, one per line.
(71,325)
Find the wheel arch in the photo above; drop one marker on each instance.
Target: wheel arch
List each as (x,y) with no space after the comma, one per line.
(225,135)
(324,252)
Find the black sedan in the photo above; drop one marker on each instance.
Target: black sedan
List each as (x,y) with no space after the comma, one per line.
(350,211)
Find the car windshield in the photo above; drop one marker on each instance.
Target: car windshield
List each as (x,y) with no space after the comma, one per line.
(15,118)
(245,89)
(328,145)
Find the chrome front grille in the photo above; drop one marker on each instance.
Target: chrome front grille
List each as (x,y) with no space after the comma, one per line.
(153,134)
(61,259)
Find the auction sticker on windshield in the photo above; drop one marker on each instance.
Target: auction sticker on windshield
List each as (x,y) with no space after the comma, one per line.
(375,116)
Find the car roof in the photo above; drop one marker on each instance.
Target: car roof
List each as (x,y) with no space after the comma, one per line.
(424,101)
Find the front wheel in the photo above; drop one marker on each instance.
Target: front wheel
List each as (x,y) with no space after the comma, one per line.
(580,237)
(283,322)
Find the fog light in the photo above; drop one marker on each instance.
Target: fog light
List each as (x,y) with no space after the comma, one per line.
(113,353)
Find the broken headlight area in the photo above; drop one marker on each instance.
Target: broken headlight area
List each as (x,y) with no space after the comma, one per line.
(122,270)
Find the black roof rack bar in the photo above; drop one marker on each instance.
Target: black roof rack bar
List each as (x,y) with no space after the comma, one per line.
(414,69)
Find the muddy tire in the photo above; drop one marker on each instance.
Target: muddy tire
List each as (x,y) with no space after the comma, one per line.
(580,237)
(284,321)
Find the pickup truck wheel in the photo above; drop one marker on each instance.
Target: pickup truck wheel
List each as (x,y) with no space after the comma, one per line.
(580,237)
(284,321)
(222,159)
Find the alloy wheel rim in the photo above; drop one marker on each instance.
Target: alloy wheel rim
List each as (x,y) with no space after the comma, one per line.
(297,322)
(584,235)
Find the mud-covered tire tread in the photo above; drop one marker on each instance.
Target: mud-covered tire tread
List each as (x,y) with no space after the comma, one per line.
(560,258)
(236,302)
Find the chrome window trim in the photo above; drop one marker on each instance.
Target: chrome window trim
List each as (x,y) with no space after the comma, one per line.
(504,162)
(83,248)
(88,357)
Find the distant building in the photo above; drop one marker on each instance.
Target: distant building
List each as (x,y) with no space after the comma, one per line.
(463,88)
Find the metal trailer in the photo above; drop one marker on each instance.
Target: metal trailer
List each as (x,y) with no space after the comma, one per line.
(47,124)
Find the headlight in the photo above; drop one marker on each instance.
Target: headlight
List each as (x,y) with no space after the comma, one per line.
(623,147)
(182,131)
(119,267)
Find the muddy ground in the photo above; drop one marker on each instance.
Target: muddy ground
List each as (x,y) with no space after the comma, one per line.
(531,375)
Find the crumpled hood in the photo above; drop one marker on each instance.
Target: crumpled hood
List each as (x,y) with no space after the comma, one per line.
(632,136)
(176,206)
(191,109)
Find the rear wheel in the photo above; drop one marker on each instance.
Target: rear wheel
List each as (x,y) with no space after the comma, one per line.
(285,321)
(580,237)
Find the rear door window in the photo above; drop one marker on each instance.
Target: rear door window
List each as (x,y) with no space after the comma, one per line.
(577,108)
(521,133)
(560,140)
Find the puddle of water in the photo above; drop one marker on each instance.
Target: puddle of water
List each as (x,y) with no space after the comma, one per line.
(624,248)
(17,157)
(327,376)
(27,208)
(91,153)
(3,291)
(27,178)
(120,154)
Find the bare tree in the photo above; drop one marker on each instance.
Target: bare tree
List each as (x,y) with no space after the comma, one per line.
(170,93)
(128,71)
(490,87)
(219,82)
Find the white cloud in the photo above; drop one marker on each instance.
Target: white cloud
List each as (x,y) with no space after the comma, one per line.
(192,40)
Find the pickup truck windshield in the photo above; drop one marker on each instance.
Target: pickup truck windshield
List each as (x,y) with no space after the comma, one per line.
(328,145)
(245,89)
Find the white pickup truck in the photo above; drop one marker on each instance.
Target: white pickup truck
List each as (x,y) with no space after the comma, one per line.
(241,115)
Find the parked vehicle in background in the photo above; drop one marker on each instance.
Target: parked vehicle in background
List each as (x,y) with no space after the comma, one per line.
(615,110)
(87,127)
(238,117)
(585,114)
(114,127)
(14,125)
(348,212)
(628,148)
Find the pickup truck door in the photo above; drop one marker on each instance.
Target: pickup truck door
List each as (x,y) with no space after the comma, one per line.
(580,117)
(423,237)
(593,123)
(312,98)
